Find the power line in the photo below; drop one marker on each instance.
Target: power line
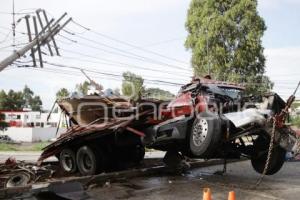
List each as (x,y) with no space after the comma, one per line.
(120,64)
(140,58)
(16,13)
(107,74)
(116,65)
(147,76)
(74,73)
(128,44)
(136,56)
(159,43)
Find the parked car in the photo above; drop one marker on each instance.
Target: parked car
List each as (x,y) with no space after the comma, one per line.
(7,139)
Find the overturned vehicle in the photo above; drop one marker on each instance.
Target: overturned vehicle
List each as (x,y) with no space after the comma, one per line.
(207,119)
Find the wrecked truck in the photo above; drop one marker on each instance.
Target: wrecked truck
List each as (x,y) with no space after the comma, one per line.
(207,119)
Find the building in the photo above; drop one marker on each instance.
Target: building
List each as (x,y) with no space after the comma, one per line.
(32,126)
(30,119)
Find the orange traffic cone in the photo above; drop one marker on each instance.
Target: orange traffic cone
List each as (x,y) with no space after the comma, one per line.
(206,194)
(231,195)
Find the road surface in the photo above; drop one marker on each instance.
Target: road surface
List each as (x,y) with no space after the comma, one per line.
(240,178)
(32,156)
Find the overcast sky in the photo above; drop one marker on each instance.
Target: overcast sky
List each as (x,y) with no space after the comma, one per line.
(154,25)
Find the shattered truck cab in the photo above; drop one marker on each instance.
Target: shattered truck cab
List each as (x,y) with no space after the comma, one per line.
(211,119)
(207,119)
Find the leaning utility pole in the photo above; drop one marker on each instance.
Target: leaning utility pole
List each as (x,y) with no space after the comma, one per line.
(40,39)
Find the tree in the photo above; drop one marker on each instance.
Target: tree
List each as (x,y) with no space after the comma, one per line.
(11,100)
(27,95)
(133,85)
(31,101)
(18,100)
(225,39)
(3,124)
(158,93)
(83,87)
(36,103)
(62,93)
(14,100)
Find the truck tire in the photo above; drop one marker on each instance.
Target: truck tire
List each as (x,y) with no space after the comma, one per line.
(67,161)
(205,135)
(137,154)
(89,160)
(259,157)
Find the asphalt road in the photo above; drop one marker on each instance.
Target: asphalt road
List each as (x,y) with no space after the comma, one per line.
(240,178)
(29,156)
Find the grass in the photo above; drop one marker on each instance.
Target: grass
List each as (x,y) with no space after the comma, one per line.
(8,147)
(23,147)
(39,146)
(296,121)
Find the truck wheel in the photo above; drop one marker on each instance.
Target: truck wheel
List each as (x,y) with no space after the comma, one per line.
(67,161)
(89,161)
(259,157)
(137,154)
(205,135)
(18,179)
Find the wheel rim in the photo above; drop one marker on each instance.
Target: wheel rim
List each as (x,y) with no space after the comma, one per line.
(68,162)
(200,131)
(87,162)
(19,179)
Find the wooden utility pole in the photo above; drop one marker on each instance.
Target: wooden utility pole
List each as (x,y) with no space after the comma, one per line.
(40,39)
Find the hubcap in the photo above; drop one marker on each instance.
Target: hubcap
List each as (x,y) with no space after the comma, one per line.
(87,162)
(200,131)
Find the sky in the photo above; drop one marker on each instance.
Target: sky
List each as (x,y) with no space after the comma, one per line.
(154,36)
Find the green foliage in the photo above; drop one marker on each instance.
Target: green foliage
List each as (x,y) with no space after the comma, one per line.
(157,93)
(3,124)
(225,39)
(296,121)
(83,87)
(18,100)
(133,85)
(11,100)
(62,93)
(296,104)
(19,147)
(8,147)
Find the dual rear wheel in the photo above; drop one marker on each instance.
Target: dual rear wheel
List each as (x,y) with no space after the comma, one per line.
(86,160)
(90,160)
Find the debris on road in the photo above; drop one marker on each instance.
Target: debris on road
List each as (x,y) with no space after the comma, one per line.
(19,174)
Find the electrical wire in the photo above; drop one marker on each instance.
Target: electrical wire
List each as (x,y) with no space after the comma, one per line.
(145,76)
(73,73)
(127,44)
(105,73)
(120,64)
(16,13)
(136,56)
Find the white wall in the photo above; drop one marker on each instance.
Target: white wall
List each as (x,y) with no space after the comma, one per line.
(31,134)
(45,134)
(19,134)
